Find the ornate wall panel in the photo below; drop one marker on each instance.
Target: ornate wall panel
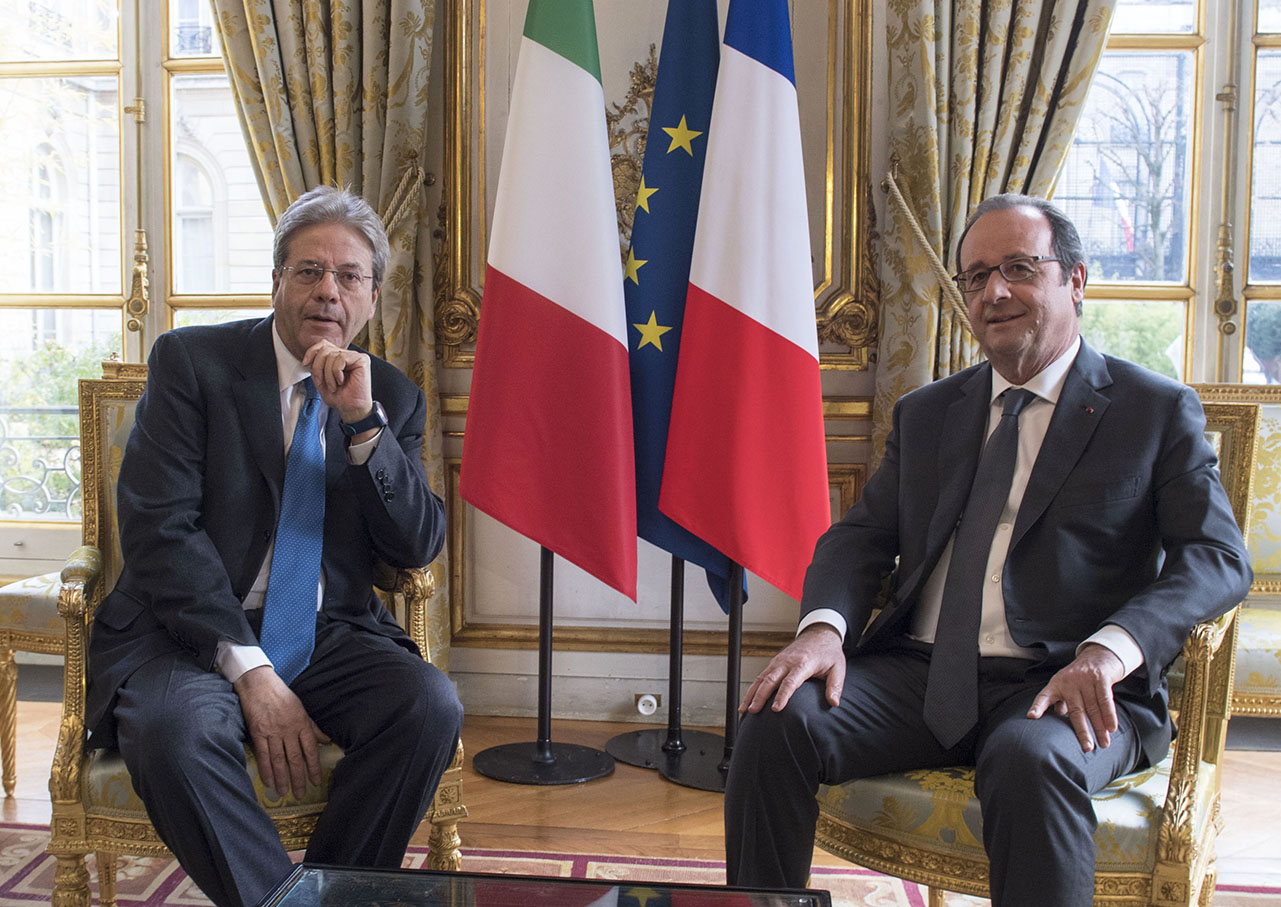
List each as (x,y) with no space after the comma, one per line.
(494,581)
(833,50)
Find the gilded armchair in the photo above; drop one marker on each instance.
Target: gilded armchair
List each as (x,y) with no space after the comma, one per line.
(1155,844)
(95,809)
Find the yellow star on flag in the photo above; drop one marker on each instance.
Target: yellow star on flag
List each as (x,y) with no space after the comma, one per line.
(651,332)
(633,265)
(681,137)
(643,194)
(643,895)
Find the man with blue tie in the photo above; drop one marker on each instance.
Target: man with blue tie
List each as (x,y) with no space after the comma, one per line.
(270,466)
(1052,525)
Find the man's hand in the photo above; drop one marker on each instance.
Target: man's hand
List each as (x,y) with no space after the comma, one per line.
(815,652)
(342,379)
(284,737)
(1083,692)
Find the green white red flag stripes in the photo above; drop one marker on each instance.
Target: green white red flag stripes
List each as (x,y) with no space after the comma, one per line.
(548,446)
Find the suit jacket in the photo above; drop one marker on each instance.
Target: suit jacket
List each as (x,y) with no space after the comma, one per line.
(1124,521)
(199,498)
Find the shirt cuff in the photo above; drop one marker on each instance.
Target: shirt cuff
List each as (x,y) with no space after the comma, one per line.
(824,616)
(359,454)
(1120,643)
(232,659)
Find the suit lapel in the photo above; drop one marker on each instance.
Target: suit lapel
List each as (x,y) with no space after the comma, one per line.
(962,433)
(1076,416)
(257,397)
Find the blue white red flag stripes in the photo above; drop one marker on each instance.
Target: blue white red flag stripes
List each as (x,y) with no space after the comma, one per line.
(746,466)
(657,270)
(548,444)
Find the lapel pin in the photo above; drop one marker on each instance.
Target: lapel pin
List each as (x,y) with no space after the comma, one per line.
(1090,410)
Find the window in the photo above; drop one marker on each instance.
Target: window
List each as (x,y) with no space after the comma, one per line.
(1262,356)
(194,256)
(82,209)
(1129,185)
(1174,179)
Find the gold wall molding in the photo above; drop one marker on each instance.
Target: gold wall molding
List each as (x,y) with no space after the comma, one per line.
(846,292)
(845,482)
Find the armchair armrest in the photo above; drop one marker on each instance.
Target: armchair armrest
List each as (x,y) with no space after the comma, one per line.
(1192,797)
(414,586)
(81,572)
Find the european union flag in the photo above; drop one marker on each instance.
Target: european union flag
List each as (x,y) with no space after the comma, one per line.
(657,270)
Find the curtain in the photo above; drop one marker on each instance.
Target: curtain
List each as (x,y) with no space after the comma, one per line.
(984,99)
(326,95)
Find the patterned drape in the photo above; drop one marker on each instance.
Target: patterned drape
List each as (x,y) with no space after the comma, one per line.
(984,98)
(326,96)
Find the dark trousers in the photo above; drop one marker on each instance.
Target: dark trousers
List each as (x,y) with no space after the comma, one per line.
(1032,779)
(182,736)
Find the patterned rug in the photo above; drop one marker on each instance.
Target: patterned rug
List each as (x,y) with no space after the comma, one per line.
(26,876)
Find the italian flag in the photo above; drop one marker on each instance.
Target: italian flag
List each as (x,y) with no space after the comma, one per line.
(548,445)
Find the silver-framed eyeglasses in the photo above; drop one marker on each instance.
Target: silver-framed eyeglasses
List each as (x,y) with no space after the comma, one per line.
(310,275)
(1016,270)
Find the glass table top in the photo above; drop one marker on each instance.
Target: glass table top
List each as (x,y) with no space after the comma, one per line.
(312,885)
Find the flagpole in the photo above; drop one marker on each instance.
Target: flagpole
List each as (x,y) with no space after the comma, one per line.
(648,747)
(705,768)
(543,762)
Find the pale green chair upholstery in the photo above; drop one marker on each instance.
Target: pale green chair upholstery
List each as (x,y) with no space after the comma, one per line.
(1257,692)
(95,809)
(1157,828)
(29,622)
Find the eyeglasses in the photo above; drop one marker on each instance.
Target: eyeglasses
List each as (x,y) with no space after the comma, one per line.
(1016,270)
(310,275)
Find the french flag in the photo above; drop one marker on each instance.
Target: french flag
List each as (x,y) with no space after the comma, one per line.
(746,465)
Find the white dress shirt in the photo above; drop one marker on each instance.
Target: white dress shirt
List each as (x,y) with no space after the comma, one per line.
(231,659)
(994,631)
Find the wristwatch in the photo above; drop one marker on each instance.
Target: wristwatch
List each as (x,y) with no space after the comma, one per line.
(377,418)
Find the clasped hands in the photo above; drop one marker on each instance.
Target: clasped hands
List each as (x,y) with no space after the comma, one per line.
(1081,691)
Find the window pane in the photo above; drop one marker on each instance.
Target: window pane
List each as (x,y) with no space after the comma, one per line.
(43,354)
(213,173)
(58,30)
(191,31)
(1270,15)
(60,179)
(1265,191)
(1149,333)
(1165,17)
(1262,361)
(1126,181)
(184,317)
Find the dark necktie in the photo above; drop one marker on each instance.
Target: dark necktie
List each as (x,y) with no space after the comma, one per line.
(289,615)
(951,692)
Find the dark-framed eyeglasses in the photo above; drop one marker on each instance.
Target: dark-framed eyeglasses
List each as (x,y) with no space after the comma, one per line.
(310,275)
(1016,270)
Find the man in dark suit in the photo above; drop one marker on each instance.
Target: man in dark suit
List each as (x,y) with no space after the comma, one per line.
(1114,538)
(178,680)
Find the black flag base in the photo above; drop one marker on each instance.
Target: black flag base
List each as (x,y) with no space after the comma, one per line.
(653,747)
(700,767)
(543,763)
(705,767)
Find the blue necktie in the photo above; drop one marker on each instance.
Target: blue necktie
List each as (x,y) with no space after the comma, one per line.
(951,689)
(289,615)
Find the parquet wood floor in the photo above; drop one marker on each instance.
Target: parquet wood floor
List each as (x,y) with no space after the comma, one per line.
(635,811)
